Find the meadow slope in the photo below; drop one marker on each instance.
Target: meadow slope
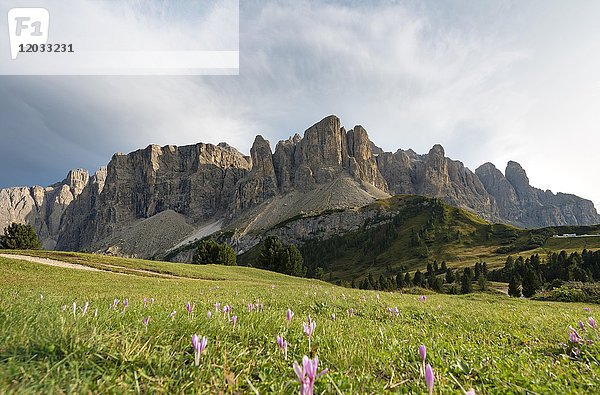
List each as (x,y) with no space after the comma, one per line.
(494,344)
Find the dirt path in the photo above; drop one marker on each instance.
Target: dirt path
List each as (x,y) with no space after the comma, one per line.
(68,265)
(49,262)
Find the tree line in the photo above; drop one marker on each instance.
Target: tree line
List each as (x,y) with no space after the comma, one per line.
(273,255)
(526,276)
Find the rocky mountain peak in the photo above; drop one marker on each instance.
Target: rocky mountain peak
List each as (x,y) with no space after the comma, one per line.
(261,155)
(516,175)
(437,151)
(77,179)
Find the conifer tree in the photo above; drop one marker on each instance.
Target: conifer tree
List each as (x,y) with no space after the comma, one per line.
(514,286)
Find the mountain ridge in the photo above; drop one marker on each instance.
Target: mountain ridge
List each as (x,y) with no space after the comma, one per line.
(328,168)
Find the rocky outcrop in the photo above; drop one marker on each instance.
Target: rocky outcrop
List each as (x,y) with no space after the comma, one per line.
(261,183)
(362,161)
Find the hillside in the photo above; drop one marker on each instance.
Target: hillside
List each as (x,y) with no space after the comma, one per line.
(63,331)
(400,233)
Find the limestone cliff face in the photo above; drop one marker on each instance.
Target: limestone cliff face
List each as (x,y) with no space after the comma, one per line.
(42,207)
(261,183)
(435,175)
(197,181)
(362,161)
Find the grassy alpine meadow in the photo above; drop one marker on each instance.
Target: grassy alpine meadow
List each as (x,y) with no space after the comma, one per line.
(66,330)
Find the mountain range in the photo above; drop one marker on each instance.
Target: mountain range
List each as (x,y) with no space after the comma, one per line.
(158,199)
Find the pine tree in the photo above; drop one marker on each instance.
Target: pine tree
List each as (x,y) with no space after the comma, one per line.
(211,252)
(400,281)
(444,267)
(466,283)
(291,262)
(477,270)
(418,280)
(20,237)
(268,256)
(531,282)
(509,265)
(438,284)
(407,280)
(430,271)
(482,282)
(371,280)
(450,277)
(514,286)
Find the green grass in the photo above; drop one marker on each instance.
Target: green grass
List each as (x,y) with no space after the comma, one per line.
(494,344)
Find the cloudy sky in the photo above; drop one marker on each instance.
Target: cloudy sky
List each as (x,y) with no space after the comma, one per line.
(489,80)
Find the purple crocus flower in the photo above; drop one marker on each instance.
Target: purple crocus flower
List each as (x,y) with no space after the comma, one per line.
(282,345)
(574,336)
(250,307)
(470,392)
(307,374)
(429,378)
(217,306)
(350,312)
(289,315)
(227,309)
(199,346)
(582,325)
(234,320)
(592,322)
(151,300)
(208,314)
(309,328)
(422,352)
(145,302)
(172,314)
(85,308)
(64,307)
(189,308)
(125,302)
(147,321)
(115,303)
(422,298)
